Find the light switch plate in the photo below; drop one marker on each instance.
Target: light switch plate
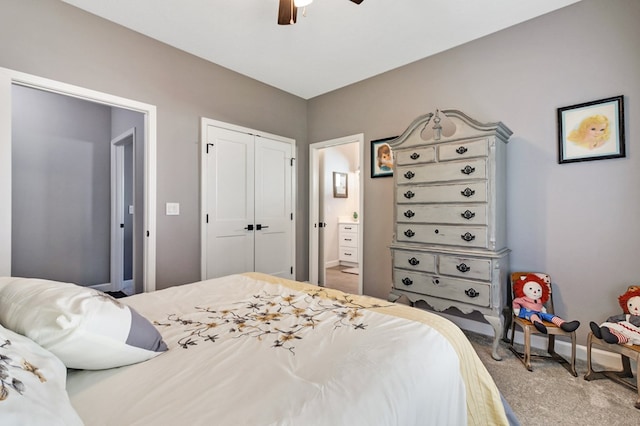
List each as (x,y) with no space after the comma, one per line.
(173,209)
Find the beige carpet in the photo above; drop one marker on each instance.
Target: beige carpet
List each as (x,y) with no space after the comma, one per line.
(549,395)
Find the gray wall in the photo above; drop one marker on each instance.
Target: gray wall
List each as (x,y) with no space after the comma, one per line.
(51,39)
(61,187)
(577,222)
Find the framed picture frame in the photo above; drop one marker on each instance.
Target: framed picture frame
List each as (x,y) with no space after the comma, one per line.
(340,185)
(591,131)
(381,158)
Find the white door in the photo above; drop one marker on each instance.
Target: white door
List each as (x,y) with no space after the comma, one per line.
(230,208)
(247,204)
(273,210)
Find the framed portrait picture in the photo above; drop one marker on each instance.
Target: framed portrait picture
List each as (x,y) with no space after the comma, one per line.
(591,131)
(381,158)
(340,185)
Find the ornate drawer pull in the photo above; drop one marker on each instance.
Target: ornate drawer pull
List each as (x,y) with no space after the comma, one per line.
(409,233)
(468,237)
(471,293)
(409,214)
(415,156)
(409,175)
(413,261)
(461,150)
(463,267)
(468,192)
(468,214)
(407,281)
(468,170)
(409,194)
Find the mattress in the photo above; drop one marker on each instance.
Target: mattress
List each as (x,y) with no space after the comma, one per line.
(253,349)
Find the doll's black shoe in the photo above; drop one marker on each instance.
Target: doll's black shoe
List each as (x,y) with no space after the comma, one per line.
(607,336)
(540,327)
(595,329)
(570,326)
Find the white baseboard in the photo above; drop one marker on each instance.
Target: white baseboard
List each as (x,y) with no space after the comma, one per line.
(604,359)
(331,263)
(102,287)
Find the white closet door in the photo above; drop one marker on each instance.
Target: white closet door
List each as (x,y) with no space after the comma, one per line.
(247,199)
(274,224)
(230,202)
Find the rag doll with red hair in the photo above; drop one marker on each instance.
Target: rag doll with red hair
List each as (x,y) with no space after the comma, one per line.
(624,328)
(532,292)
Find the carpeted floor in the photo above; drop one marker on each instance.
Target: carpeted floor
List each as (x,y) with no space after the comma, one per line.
(549,395)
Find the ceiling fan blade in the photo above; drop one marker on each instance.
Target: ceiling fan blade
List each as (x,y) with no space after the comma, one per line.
(287,12)
(357,1)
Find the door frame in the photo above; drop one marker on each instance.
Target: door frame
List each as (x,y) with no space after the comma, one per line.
(314,204)
(204,182)
(10,77)
(118,182)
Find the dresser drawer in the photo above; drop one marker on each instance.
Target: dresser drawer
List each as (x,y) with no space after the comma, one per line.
(344,227)
(479,269)
(414,261)
(478,148)
(458,193)
(443,172)
(442,213)
(464,236)
(349,254)
(459,290)
(348,239)
(416,156)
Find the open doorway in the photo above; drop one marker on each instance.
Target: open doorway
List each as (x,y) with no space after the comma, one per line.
(118,108)
(335,213)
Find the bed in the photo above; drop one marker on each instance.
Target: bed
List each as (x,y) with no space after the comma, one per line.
(253,349)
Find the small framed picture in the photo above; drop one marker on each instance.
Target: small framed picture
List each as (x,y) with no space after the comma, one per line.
(340,185)
(591,131)
(381,158)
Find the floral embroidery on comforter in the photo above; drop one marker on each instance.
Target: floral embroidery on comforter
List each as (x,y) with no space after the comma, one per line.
(276,318)
(7,380)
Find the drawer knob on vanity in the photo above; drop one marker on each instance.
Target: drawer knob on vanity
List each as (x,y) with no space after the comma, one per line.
(415,156)
(468,170)
(435,281)
(409,194)
(413,261)
(468,192)
(463,267)
(471,292)
(409,233)
(409,214)
(468,214)
(468,237)
(461,150)
(409,174)
(407,281)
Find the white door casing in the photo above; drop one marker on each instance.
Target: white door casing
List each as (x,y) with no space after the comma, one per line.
(247,201)
(9,77)
(119,207)
(316,271)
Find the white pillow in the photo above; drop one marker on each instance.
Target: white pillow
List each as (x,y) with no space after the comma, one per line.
(85,328)
(32,384)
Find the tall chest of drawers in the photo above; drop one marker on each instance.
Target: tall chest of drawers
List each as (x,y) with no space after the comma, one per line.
(449,245)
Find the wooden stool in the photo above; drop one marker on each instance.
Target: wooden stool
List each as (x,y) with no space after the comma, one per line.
(627,353)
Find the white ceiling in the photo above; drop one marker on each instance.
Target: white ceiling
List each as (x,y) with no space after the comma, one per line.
(338,43)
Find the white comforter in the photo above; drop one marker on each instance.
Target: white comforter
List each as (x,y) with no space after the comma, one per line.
(244,351)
